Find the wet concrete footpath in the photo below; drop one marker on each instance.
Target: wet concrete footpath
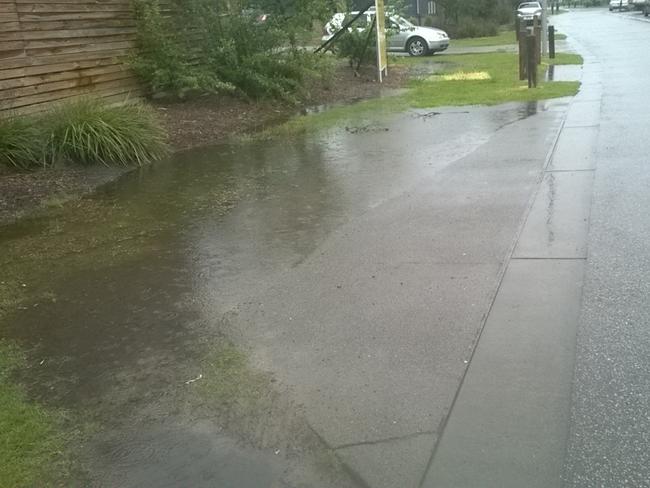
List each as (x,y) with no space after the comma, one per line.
(558,389)
(510,421)
(294,313)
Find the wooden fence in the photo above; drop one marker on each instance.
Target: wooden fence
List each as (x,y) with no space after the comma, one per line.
(51,50)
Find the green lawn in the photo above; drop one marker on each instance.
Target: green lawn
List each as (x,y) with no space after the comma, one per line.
(503,38)
(502,83)
(564,58)
(31,445)
(499,84)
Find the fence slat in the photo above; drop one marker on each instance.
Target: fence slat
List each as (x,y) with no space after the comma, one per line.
(52,50)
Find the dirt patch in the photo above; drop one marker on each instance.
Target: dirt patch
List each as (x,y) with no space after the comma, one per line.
(25,193)
(210,120)
(198,122)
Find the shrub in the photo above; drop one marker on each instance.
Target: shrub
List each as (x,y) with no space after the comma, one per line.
(19,143)
(210,46)
(504,15)
(356,46)
(469,27)
(251,58)
(432,21)
(89,131)
(163,63)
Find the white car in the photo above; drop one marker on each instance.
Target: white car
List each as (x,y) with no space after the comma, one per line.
(403,36)
(529,10)
(619,5)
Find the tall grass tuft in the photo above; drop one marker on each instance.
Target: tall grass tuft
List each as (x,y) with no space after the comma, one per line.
(89,131)
(19,143)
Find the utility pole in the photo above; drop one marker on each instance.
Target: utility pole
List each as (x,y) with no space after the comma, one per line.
(544,29)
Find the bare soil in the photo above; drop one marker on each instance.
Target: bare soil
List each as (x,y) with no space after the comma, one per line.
(198,122)
(210,120)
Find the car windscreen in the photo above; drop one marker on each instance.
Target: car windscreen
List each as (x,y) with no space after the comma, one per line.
(401,21)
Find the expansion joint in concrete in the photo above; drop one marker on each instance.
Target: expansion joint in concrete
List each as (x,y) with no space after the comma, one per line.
(533,258)
(381,441)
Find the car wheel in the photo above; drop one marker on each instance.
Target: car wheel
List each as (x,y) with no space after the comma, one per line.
(417,47)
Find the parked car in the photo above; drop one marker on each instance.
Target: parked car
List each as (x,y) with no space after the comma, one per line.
(619,5)
(403,36)
(529,10)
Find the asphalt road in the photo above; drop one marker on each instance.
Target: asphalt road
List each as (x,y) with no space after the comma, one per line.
(609,442)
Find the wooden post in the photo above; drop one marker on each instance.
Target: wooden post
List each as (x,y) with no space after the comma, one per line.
(551,41)
(531,64)
(537,33)
(522,57)
(365,48)
(521,36)
(517,28)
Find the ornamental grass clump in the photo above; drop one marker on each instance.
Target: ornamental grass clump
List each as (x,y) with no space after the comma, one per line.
(19,143)
(89,131)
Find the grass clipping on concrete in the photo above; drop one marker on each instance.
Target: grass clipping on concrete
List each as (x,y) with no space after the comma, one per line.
(463,79)
(31,445)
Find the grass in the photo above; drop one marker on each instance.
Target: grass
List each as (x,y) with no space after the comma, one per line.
(502,83)
(503,38)
(230,382)
(19,143)
(88,131)
(564,58)
(464,79)
(85,132)
(31,446)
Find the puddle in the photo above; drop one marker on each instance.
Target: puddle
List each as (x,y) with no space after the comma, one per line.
(195,456)
(383,93)
(120,298)
(567,72)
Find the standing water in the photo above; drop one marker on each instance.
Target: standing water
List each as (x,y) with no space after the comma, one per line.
(125,300)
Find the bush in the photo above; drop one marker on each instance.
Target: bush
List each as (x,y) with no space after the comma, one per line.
(211,46)
(431,21)
(356,47)
(163,63)
(19,143)
(469,27)
(251,58)
(90,131)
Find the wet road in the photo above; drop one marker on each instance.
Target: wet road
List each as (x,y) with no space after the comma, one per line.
(609,443)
